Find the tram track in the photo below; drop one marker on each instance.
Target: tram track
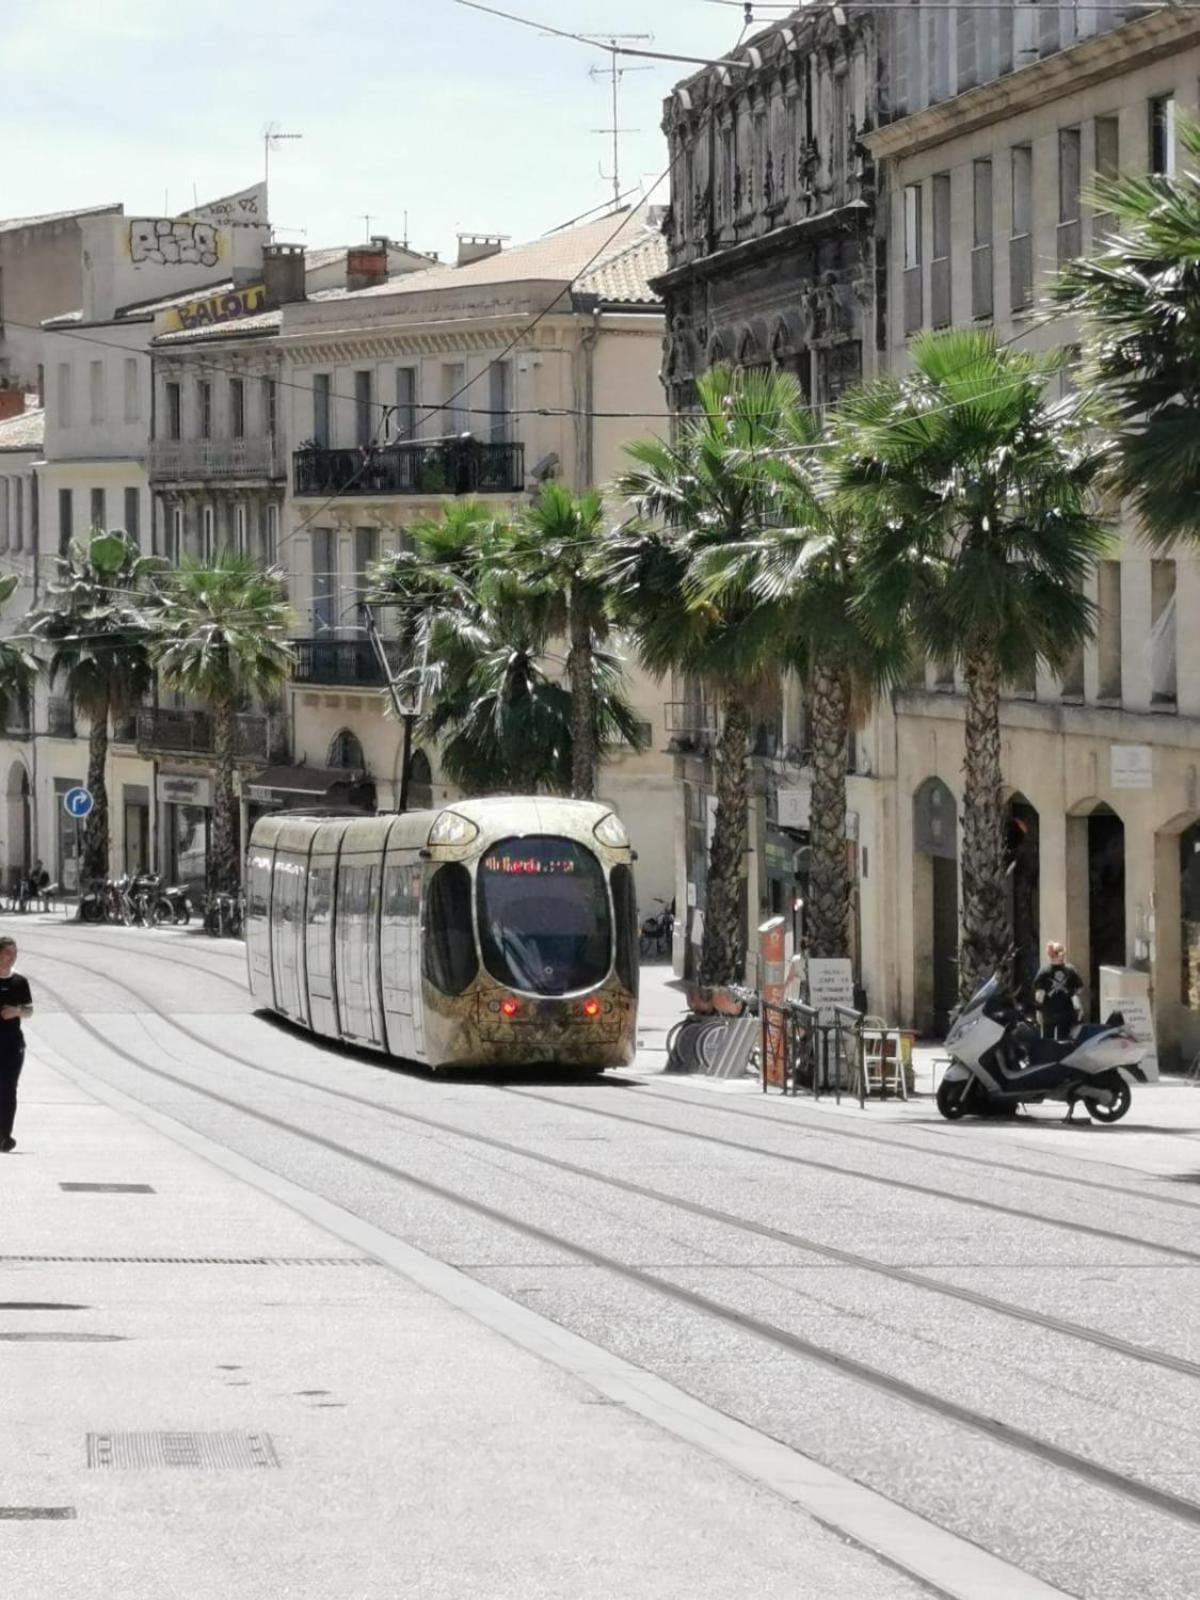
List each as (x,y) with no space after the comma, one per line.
(1084,1468)
(1110,1236)
(827,1130)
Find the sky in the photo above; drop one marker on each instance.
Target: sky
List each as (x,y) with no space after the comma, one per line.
(466,122)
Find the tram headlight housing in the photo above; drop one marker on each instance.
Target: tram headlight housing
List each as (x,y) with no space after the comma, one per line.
(453,828)
(610,830)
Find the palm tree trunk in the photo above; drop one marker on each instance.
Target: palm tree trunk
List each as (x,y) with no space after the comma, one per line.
(827,920)
(985,918)
(723,948)
(224,867)
(583,709)
(95,831)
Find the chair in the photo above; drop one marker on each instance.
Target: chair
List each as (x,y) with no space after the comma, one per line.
(881,1058)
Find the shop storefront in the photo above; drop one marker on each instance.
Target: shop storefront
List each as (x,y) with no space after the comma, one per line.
(304,789)
(185,812)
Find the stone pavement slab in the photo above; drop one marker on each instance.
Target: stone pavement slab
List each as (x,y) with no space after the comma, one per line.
(403,1448)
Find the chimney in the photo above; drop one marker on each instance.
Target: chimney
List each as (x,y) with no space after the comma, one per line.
(478,246)
(283,274)
(366,265)
(12,401)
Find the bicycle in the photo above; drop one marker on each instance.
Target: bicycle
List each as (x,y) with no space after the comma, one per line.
(224,914)
(657,931)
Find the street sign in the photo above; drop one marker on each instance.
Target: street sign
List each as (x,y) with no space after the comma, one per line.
(78,802)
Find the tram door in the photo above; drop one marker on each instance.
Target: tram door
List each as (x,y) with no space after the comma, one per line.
(258,923)
(356,941)
(400,951)
(287,934)
(319,938)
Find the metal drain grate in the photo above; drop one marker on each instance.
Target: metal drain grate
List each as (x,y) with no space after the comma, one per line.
(106,1188)
(36,1513)
(206,1452)
(198,1261)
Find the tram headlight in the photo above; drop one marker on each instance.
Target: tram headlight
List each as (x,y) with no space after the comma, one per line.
(610,830)
(453,828)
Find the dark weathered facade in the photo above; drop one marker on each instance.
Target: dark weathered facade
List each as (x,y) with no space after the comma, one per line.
(771,228)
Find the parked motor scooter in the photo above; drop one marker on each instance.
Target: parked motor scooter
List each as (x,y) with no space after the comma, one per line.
(1000,1061)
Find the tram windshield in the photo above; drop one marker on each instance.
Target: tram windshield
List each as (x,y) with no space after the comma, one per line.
(544,923)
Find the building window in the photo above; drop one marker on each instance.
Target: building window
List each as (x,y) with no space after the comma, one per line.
(366,553)
(1108,630)
(133,514)
(66,520)
(406,402)
(208,535)
(18,528)
(272,535)
(133,396)
(4,513)
(1162,135)
(346,752)
(1069,175)
(174,412)
(912,257)
(981,251)
(500,401)
(270,406)
(1025,32)
(454,411)
(321,409)
(1108,165)
(204,408)
(1162,634)
(324,581)
(364,410)
(63,385)
(175,549)
(939,265)
(97,513)
(1020,246)
(237,408)
(95,393)
(239,528)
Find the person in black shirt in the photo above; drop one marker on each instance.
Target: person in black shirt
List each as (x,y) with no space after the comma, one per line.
(16,1003)
(1056,990)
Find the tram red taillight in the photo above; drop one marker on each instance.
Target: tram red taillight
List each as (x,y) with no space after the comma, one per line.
(591,1007)
(509,1007)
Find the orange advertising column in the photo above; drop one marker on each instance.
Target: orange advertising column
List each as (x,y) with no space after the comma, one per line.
(773,970)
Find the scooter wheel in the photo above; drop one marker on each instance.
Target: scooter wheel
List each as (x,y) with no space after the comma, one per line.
(952,1098)
(1122,1099)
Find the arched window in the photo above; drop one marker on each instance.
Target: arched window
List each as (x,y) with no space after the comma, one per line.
(420,782)
(346,751)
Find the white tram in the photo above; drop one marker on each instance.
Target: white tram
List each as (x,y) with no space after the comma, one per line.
(495,932)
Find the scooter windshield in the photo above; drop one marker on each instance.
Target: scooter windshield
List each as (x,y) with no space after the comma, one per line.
(974,1007)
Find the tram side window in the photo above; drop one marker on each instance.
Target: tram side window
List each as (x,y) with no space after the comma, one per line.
(450,962)
(625,914)
(258,888)
(397,898)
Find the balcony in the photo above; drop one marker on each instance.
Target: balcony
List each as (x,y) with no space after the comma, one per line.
(60,719)
(197,460)
(349,663)
(258,737)
(427,467)
(690,724)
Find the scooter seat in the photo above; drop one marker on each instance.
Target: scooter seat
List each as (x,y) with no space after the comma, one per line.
(1049,1052)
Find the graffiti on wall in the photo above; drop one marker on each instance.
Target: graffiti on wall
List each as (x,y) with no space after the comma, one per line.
(171,241)
(228,306)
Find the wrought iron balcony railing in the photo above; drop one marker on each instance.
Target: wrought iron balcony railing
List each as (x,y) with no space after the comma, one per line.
(435,466)
(337,661)
(60,718)
(191,460)
(258,737)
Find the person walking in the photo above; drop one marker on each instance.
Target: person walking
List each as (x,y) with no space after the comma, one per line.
(16,1003)
(1056,992)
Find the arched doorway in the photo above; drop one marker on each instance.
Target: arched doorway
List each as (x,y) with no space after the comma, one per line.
(420,782)
(1024,878)
(346,751)
(1095,895)
(19,799)
(935,905)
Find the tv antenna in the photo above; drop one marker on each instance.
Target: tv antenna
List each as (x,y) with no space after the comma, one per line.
(273,134)
(615,72)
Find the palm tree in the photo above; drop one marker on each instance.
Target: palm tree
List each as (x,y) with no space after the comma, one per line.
(483,633)
(978,490)
(223,640)
(553,551)
(99,623)
(693,495)
(809,568)
(18,668)
(1139,301)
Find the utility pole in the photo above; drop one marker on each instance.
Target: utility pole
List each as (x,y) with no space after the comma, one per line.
(366,216)
(616,72)
(406,714)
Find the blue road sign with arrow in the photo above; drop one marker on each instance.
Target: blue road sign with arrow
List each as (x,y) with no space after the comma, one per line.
(78,802)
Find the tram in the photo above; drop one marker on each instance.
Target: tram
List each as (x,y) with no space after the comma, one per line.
(487,933)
